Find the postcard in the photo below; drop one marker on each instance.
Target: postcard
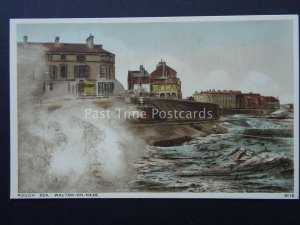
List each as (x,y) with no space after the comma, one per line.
(163,107)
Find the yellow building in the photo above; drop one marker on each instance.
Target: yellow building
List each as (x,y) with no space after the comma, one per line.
(85,69)
(166,89)
(225,99)
(164,82)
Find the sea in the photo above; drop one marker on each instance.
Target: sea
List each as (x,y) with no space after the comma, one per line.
(256,155)
(60,151)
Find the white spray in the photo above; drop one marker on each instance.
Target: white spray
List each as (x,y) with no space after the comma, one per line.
(62,151)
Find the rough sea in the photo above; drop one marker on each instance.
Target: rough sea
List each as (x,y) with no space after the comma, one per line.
(60,151)
(256,155)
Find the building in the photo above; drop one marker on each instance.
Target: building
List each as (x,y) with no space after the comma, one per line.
(161,83)
(272,102)
(256,101)
(139,80)
(249,101)
(225,99)
(164,82)
(78,69)
(229,99)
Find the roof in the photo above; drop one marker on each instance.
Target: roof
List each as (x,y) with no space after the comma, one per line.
(251,94)
(137,73)
(158,72)
(220,92)
(270,98)
(68,47)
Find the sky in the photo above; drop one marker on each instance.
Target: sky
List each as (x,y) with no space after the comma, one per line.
(250,56)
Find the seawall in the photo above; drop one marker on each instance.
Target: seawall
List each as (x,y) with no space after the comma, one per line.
(170,134)
(164,132)
(189,110)
(185,120)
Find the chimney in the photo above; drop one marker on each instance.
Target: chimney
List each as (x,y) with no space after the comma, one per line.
(90,41)
(163,64)
(57,42)
(25,39)
(142,70)
(160,63)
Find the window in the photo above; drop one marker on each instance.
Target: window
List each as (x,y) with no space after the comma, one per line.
(52,72)
(103,71)
(81,71)
(103,58)
(63,71)
(62,57)
(49,56)
(111,72)
(105,88)
(80,57)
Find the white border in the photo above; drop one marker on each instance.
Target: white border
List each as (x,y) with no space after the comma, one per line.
(296,103)
(14,110)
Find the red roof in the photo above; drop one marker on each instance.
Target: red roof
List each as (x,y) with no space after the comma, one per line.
(220,92)
(251,94)
(69,47)
(169,72)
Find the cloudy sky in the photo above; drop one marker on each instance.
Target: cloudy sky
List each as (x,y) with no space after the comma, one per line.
(249,56)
